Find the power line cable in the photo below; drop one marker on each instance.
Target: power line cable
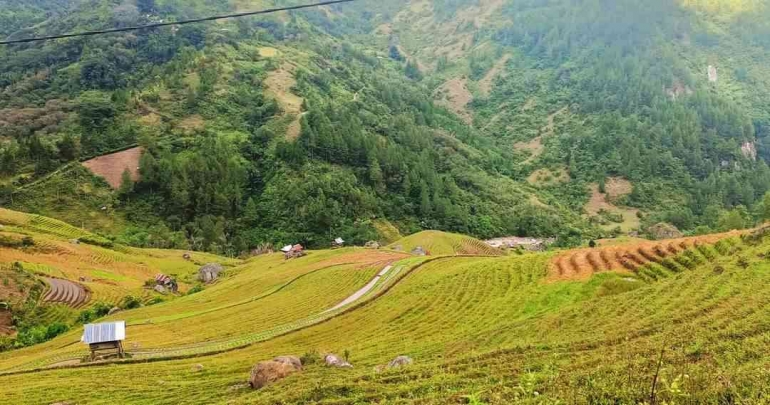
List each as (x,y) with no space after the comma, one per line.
(166,24)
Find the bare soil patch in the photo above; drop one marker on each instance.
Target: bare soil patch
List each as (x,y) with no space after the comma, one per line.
(485,84)
(455,96)
(599,202)
(112,166)
(534,147)
(617,187)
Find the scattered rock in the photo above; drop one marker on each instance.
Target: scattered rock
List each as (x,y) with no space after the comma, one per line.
(372,244)
(419,251)
(75,241)
(664,230)
(332,360)
(267,372)
(398,248)
(400,361)
(712,73)
(114,310)
(236,387)
(210,272)
(198,367)
(159,289)
(187,256)
(292,360)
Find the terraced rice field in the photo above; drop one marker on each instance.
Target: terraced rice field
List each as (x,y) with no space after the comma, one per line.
(442,243)
(491,330)
(640,257)
(65,292)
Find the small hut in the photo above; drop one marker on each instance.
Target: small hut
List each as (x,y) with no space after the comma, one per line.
(105,339)
(166,282)
(295,252)
(338,243)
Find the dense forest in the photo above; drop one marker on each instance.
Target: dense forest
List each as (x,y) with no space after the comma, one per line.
(230,164)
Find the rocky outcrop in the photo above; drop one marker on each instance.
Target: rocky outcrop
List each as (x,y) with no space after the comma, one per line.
(664,231)
(332,360)
(210,272)
(400,361)
(268,372)
(712,72)
(749,150)
(419,251)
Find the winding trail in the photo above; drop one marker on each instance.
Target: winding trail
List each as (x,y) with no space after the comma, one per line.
(360,293)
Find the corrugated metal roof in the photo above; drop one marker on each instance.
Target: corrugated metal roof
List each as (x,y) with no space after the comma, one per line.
(104,332)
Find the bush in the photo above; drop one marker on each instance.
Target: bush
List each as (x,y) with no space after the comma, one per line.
(198,288)
(101,309)
(130,302)
(155,300)
(55,329)
(310,357)
(86,316)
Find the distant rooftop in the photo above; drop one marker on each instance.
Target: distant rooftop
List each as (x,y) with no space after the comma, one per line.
(104,332)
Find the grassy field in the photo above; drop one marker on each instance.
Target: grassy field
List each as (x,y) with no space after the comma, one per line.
(484,330)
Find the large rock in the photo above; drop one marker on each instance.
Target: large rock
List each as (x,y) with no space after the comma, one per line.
(268,372)
(210,272)
(159,289)
(332,360)
(372,244)
(400,361)
(292,360)
(664,230)
(419,251)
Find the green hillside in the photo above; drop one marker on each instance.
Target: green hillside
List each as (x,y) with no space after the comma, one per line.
(490,330)
(487,118)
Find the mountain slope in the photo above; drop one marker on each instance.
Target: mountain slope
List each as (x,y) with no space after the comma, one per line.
(486,118)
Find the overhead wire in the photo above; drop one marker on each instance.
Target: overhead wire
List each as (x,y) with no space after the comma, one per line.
(171,23)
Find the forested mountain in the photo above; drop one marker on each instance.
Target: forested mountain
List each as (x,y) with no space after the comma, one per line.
(574,119)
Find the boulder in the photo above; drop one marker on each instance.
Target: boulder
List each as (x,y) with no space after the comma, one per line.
(114,310)
(664,230)
(332,360)
(419,251)
(267,372)
(397,248)
(187,256)
(159,289)
(400,361)
(293,360)
(198,367)
(210,272)
(372,244)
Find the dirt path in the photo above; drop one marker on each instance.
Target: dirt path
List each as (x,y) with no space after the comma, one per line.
(360,293)
(65,292)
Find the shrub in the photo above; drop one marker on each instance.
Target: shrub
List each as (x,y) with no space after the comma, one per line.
(130,302)
(101,309)
(155,300)
(310,357)
(86,316)
(743,262)
(55,329)
(198,288)
(27,241)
